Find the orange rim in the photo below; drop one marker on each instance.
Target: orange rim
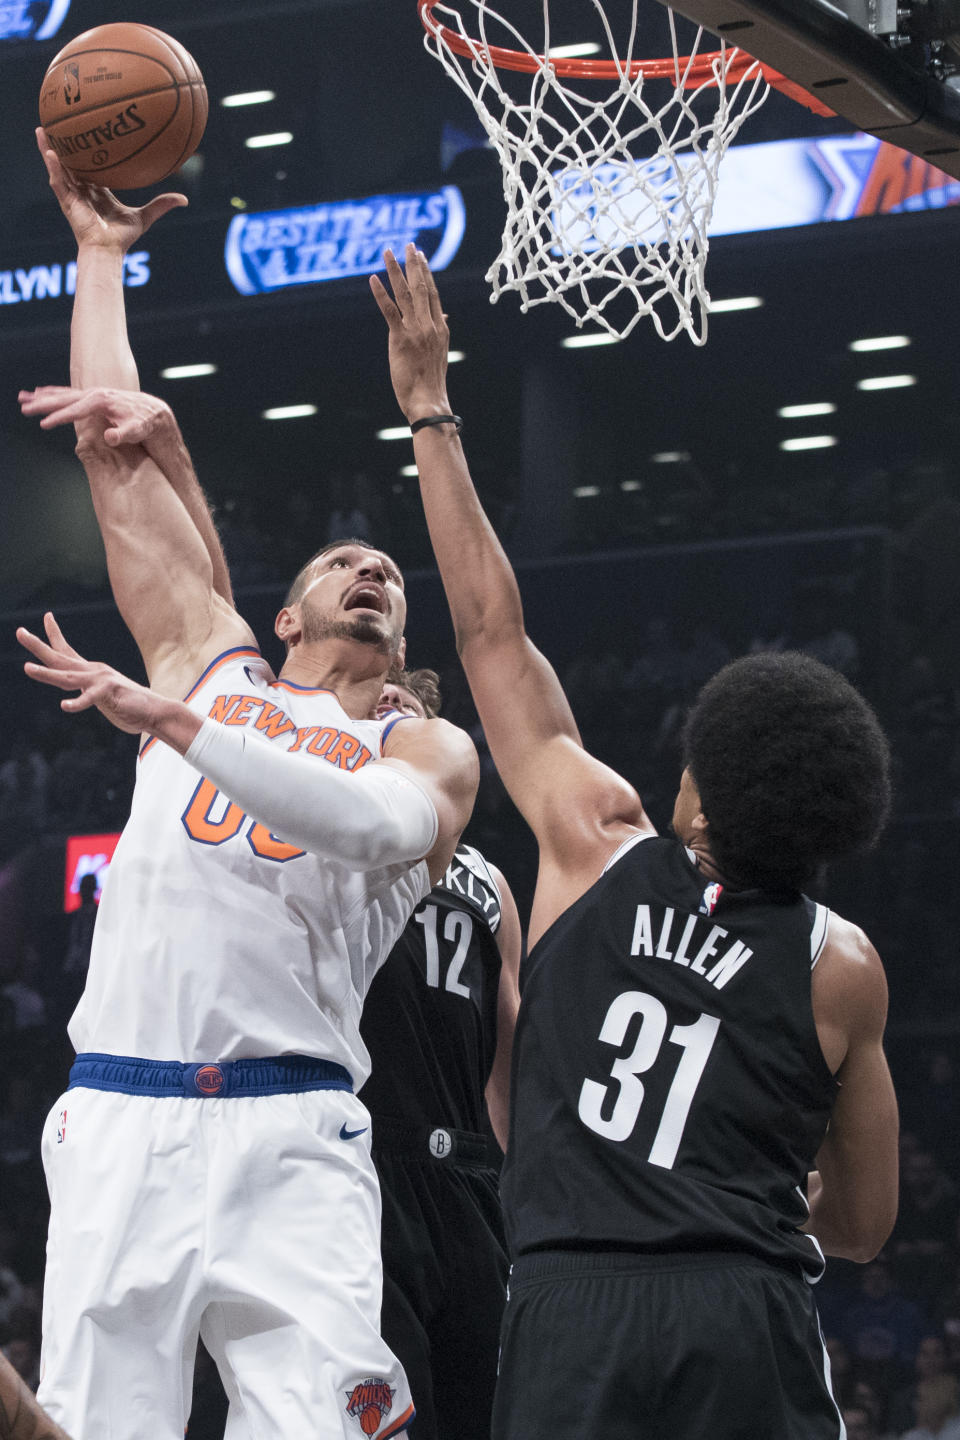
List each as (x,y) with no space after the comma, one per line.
(695,72)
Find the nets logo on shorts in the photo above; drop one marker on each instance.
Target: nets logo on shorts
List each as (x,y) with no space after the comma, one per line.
(370,1403)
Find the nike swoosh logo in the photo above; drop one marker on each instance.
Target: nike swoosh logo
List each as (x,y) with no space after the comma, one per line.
(346,1134)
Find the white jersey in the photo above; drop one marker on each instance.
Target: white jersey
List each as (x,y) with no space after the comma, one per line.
(215,940)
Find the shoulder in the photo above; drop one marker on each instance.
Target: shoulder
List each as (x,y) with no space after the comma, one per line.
(414,740)
(849,977)
(177,672)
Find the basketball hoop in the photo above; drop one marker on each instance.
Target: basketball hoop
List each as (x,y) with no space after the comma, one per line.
(609,196)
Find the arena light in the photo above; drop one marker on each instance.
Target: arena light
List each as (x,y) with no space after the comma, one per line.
(628,486)
(263,142)
(586,492)
(288,412)
(800,412)
(249,97)
(809,442)
(887,382)
(394,432)
(880,342)
(734,302)
(670,457)
(187,372)
(574,52)
(409,472)
(583,342)
(455,356)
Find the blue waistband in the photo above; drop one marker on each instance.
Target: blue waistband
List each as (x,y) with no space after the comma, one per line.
(208,1079)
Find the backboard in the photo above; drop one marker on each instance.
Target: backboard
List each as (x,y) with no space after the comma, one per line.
(884,67)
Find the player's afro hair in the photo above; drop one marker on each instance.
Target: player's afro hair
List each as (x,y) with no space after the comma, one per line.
(792,769)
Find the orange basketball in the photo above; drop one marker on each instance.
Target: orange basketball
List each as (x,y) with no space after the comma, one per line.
(123,105)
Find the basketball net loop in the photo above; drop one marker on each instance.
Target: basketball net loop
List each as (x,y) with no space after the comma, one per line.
(609,199)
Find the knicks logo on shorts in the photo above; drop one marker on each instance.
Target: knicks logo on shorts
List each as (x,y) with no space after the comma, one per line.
(209,1079)
(370,1403)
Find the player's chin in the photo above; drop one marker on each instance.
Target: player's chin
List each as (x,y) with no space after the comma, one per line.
(372,629)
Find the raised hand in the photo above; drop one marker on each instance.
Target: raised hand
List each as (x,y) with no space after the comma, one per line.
(126,705)
(129,416)
(95,214)
(419,337)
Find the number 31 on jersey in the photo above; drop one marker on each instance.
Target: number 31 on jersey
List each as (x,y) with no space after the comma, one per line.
(696,1042)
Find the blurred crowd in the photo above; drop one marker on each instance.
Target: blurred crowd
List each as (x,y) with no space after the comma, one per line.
(885,612)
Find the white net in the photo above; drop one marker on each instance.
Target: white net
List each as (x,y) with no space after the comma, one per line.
(609,183)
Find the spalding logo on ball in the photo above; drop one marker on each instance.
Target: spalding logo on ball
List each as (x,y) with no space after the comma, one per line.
(123,105)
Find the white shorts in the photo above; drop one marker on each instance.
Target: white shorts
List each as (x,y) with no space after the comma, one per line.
(253,1222)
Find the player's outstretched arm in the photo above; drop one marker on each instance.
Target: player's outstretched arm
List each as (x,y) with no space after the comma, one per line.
(509,942)
(853,1192)
(578,809)
(21,1417)
(105,230)
(101,357)
(408,807)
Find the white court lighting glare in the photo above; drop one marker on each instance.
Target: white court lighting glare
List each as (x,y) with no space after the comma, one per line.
(394,432)
(249,97)
(886,382)
(800,412)
(586,492)
(629,485)
(809,442)
(583,342)
(574,52)
(289,412)
(262,142)
(409,471)
(455,356)
(670,457)
(187,372)
(735,302)
(880,342)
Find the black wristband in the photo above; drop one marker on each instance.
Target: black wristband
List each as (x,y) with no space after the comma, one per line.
(436,420)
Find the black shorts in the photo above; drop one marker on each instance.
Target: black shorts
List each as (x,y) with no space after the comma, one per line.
(444,1289)
(624,1347)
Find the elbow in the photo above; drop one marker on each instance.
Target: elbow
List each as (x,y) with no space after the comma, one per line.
(480,633)
(91,448)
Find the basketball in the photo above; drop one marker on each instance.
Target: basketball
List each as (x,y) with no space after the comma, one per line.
(123,105)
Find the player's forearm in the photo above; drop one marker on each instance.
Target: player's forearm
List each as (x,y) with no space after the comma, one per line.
(100,351)
(846,1226)
(478,579)
(167,448)
(366,820)
(21,1417)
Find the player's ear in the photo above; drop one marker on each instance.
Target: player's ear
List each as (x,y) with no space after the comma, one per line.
(288,626)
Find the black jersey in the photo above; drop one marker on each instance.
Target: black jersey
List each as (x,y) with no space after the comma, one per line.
(430,1017)
(669,1091)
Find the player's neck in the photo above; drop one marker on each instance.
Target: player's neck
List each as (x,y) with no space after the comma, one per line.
(354,672)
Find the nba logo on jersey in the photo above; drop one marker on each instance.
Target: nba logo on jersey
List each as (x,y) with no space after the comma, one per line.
(369,1403)
(710,898)
(61,1127)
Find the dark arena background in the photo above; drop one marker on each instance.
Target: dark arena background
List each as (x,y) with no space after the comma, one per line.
(660,519)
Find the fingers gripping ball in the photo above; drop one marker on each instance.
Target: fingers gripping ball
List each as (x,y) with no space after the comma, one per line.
(123,105)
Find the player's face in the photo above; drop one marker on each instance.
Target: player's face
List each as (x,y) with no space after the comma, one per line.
(355,593)
(398,697)
(686,809)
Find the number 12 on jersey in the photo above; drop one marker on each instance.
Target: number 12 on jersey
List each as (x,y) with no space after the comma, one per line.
(696,1042)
